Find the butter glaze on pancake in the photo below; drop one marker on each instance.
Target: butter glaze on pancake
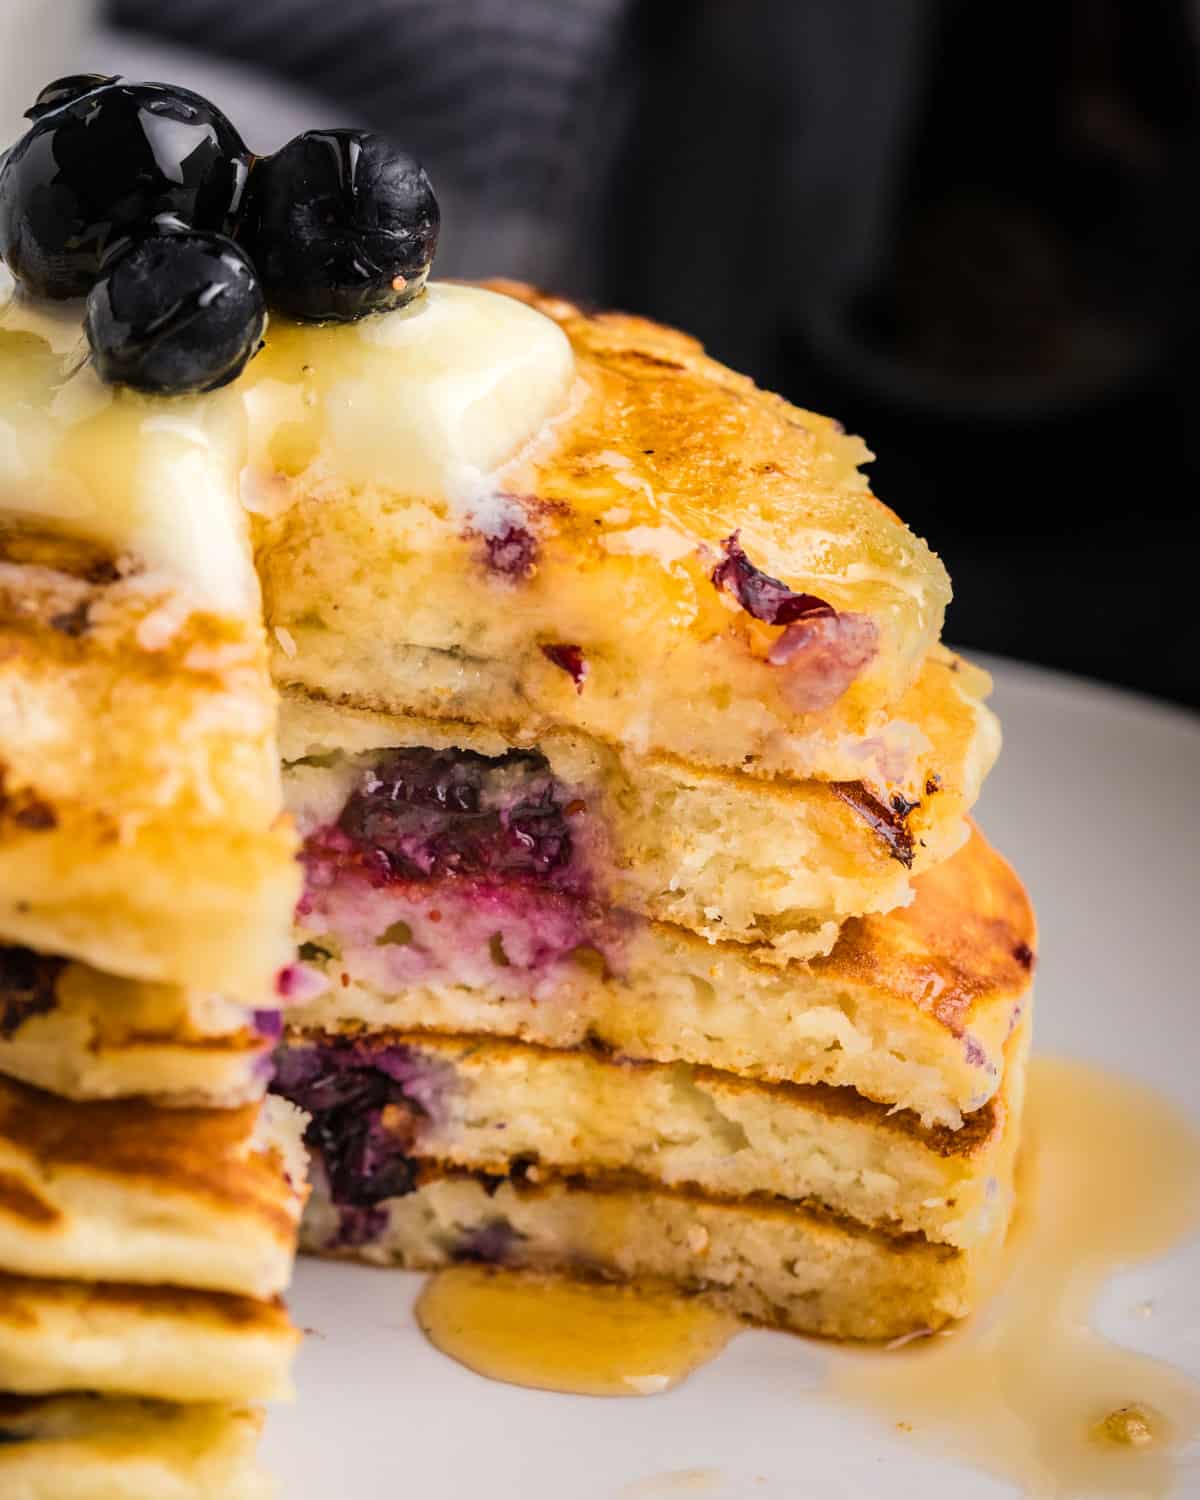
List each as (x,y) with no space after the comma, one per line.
(619,511)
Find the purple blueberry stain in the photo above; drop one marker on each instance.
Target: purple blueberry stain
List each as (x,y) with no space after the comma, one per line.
(367,1102)
(511,553)
(357,1226)
(760,595)
(569,659)
(268,1024)
(422,814)
(490,1244)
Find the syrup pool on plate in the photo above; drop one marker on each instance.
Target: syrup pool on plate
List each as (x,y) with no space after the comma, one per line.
(587,1338)
(1029,1390)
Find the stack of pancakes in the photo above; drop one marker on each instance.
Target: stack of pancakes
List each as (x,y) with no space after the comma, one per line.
(150,1195)
(644,933)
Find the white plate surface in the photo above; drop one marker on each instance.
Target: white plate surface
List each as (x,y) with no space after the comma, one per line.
(1096,801)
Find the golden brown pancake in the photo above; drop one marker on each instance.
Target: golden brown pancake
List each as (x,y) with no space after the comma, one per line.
(75,1031)
(110,1448)
(122,1191)
(911,1009)
(779,862)
(612,578)
(140,824)
(160,1342)
(510,1108)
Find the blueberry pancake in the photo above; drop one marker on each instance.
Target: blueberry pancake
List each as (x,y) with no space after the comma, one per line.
(778,863)
(766,1260)
(494,507)
(385,1107)
(911,1009)
(638,928)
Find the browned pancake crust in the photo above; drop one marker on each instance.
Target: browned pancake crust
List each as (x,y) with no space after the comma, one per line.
(202,1154)
(21,1295)
(967,942)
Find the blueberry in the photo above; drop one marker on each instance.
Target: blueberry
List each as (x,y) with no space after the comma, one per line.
(340,224)
(100,162)
(66,90)
(175,312)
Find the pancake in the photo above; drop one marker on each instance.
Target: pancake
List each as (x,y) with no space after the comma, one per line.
(104,1448)
(911,1009)
(77,1032)
(777,862)
(140,817)
(767,1261)
(386,1105)
(121,1191)
(158,1342)
(674,561)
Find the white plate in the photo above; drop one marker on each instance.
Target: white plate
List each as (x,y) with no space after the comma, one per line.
(1095,801)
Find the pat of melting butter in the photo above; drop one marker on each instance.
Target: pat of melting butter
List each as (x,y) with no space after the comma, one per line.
(429,400)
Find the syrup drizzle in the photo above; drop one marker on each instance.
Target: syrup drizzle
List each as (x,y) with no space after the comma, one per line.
(1030,1391)
(587,1338)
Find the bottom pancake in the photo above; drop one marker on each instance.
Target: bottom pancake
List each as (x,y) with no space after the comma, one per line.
(101,1448)
(142,1341)
(765,1260)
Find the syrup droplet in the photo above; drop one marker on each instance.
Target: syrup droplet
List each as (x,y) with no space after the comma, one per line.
(554,1334)
(1029,1390)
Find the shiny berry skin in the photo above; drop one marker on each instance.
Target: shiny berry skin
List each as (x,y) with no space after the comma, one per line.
(175,313)
(340,224)
(99,163)
(66,90)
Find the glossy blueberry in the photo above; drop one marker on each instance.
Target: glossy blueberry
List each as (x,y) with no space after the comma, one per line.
(100,162)
(66,90)
(175,312)
(340,224)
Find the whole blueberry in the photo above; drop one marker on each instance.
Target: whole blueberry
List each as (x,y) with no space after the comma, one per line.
(100,162)
(175,312)
(340,224)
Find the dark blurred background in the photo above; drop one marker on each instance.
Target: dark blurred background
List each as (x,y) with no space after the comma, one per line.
(970,231)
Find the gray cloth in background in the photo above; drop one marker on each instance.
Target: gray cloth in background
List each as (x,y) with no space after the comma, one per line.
(515,106)
(726,165)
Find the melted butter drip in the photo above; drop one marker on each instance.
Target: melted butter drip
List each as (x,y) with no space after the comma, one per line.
(554,1334)
(155,478)
(427,401)
(1030,1391)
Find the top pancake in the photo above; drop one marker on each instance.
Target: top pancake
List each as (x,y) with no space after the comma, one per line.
(140,818)
(583,594)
